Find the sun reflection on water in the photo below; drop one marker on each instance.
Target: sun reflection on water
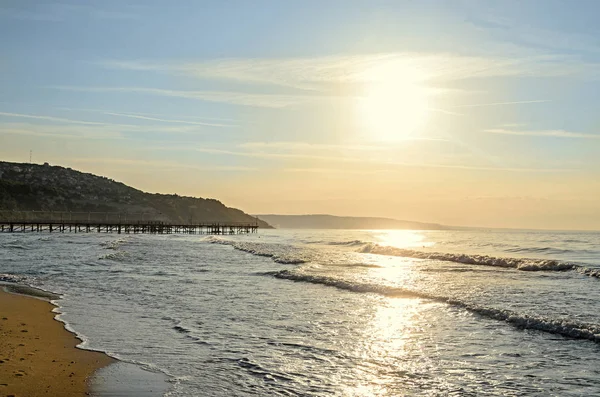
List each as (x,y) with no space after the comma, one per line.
(404,239)
(388,342)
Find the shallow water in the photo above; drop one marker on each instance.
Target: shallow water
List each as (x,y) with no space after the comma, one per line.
(349,313)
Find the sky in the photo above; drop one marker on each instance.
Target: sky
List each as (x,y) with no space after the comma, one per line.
(474,113)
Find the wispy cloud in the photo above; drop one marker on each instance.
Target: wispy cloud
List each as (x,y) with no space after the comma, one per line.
(235,98)
(59,131)
(315,73)
(96,131)
(49,118)
(303,146)
(492,19)
(476,105)
(362,161)
(544,133)
(66,123)
(205,119)
(140,117)
(285,82)
(158,164)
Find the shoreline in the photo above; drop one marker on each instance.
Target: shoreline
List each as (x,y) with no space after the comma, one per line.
(38,355)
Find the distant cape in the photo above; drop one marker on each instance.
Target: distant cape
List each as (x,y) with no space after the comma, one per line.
(344,222)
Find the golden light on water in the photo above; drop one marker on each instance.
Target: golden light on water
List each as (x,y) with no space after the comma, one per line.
(389,341)
(395,105)
(404,239)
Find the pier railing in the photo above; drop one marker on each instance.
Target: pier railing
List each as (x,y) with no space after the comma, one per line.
(87,222)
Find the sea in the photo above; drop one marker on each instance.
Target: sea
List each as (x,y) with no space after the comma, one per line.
(331,312)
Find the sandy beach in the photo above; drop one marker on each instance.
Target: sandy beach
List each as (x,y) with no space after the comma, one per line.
(38,356)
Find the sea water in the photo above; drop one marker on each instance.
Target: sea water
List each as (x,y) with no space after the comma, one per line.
(322,312)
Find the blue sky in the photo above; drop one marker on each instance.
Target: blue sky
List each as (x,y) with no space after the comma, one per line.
(461,112)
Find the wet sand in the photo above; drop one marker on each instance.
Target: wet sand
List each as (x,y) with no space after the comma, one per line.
(38,356)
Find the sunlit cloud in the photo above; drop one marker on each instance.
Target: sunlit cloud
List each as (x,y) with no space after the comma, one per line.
(314,73)
(305,146)
(544,133)
(294,81)
(362,161)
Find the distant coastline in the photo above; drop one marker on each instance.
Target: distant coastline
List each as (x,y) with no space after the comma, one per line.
(323,221)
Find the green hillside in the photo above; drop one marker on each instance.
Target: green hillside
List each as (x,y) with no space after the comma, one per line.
(32,187)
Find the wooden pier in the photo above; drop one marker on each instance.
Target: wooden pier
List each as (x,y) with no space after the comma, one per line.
(147,227)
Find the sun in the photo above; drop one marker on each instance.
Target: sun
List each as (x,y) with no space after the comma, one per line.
(394,107)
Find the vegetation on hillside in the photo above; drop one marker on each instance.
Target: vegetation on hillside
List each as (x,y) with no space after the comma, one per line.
(32,187)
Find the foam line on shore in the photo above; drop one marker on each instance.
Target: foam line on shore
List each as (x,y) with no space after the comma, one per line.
(123,378)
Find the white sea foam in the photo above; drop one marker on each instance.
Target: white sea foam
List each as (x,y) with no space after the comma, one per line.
(567,328)
(11,278)
(114,244)
(524,264)
(280,253)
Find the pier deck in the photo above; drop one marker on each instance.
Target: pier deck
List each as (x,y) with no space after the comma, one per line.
(140,227)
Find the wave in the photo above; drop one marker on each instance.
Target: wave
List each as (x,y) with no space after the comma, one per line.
(525,264)
(113,245)
(188,333)
(279,253)
(117,256)
(566,328)
(287,254)
(14,246)
(352,265)
(586,271)
(181,330)
(347,243)
(11,278)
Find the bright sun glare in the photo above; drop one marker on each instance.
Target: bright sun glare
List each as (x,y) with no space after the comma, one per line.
(394,106)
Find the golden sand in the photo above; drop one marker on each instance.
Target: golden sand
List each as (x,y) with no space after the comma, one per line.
(38,356)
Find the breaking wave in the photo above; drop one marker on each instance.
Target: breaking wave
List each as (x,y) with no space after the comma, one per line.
(566,328)
(11,278)
(116,256)
(280,253)
(525,264)
(292,255)
(351,243)
(113,245)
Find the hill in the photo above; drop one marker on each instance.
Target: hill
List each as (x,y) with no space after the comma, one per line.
(344,222)
(33,187)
